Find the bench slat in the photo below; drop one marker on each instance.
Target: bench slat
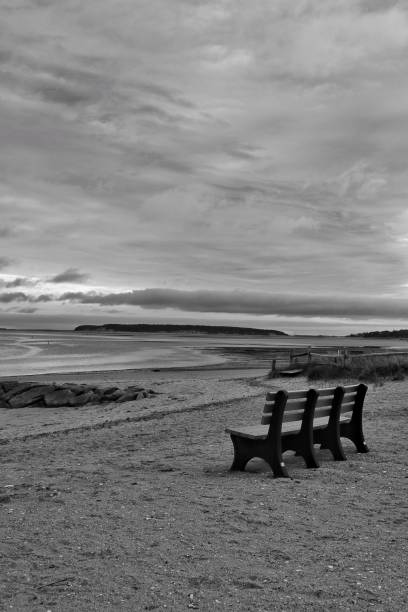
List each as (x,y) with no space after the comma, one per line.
(324,401)
(294,415)
(260,432)
(347,407)
(325,409)
(289,428)
(295,404)
(322,411)
(351,388)
(291,404)
(288,417)
(321,422)
(271,395)
(326,392)
(253,432)
(331,390)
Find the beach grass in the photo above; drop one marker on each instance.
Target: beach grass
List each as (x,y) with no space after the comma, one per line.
(366,369)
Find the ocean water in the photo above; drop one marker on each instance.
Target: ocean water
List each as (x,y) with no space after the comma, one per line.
(40,352)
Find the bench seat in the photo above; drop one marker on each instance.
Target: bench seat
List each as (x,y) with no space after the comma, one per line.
(260,432)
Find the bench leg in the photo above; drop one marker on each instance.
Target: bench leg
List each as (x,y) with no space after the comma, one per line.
(245,450)
(306,451)
(277,466)
(303,441)
(310,459)
(241,454)
(330,439)
(354,432)
(337,451)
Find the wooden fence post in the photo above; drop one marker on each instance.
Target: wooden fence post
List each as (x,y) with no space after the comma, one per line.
(345,357)
(273,368)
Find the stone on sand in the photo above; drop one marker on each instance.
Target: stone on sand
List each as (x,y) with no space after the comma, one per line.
(59,397)
(28,397)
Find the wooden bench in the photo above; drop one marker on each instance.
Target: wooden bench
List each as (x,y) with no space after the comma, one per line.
(296,420)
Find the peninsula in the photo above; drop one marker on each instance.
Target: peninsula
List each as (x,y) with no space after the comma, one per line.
(178,328)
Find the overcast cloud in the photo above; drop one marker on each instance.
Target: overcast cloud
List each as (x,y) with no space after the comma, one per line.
(204,157)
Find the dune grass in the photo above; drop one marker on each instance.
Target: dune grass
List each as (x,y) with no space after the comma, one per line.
(370,369)
(374,369)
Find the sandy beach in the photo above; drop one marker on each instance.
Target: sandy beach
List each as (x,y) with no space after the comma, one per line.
(132,506)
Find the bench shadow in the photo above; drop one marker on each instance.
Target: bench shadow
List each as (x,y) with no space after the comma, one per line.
(254,466)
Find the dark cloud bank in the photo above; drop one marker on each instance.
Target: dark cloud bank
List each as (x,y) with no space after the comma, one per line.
(233,302)
(246,303)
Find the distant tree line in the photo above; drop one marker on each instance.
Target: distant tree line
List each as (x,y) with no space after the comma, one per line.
(395,333)
(164,327)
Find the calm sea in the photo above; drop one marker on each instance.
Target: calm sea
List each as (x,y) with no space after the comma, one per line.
(38,352)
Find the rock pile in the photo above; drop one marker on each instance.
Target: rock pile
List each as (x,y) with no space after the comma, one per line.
(14,394)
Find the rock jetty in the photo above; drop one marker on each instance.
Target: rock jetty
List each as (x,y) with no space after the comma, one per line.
(15,394)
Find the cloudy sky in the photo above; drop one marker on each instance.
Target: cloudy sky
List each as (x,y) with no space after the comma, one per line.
(212,161)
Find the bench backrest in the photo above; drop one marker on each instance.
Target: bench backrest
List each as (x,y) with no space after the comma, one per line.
(289,406)
(292,405)
(347,396)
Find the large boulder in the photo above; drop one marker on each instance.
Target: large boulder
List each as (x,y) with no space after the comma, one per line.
(109,390)
(111,396)
(127,396)
(89,397)
(6,385)
(19,388)
(30,396)
(59,397)
(75,388)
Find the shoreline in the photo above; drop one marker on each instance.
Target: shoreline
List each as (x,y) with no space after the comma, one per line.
(143,371)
